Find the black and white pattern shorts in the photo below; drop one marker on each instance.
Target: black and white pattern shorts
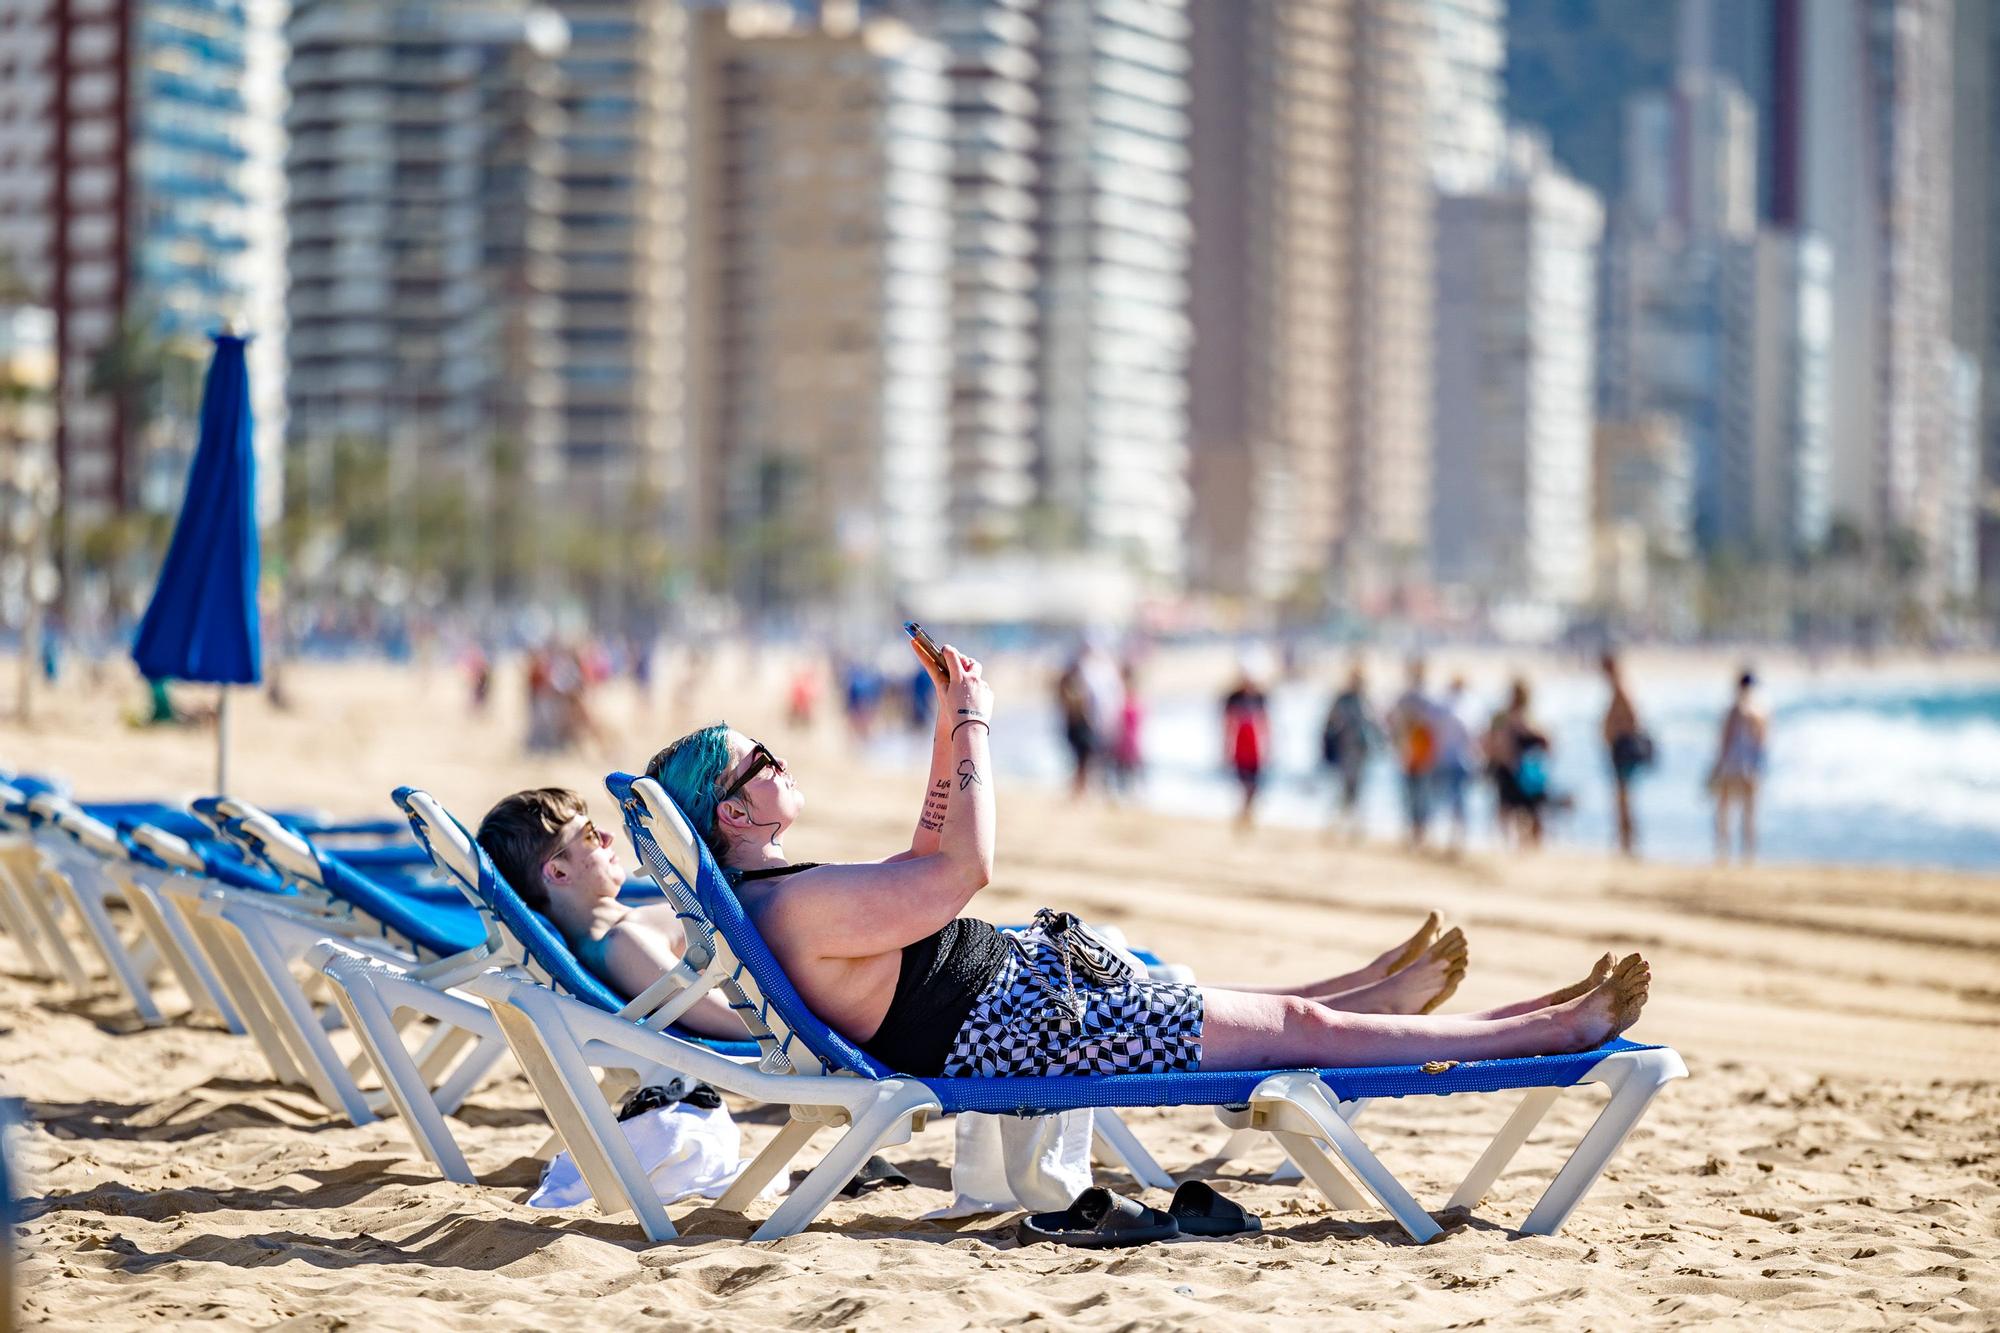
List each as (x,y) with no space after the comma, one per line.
(1064,1002)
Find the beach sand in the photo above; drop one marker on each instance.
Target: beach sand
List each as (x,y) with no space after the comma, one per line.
(1832,1161)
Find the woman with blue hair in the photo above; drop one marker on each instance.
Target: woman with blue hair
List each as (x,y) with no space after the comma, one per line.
(880,951)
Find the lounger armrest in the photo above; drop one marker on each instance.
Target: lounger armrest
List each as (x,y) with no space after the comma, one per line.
(174,851)
(90,833)
(287,853)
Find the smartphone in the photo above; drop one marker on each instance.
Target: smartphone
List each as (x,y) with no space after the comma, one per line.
(928,647)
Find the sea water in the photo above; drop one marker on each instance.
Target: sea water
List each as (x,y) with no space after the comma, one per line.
(1874,770)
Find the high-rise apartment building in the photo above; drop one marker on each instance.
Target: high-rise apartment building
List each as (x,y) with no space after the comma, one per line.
(1976,256)
(1517,263)
(1112,251)
(1863,155)
(1310,388)
(1464,70)
(1269,320)
(423,234)
(620,159)
(820,325)
(136,198)
(1691,157)
(1771,497)
(991,46)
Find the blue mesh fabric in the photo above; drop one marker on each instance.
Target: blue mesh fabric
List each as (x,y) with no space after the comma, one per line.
(546,948)
(219,862)
(1040,1096)
(438,927)
(719,903)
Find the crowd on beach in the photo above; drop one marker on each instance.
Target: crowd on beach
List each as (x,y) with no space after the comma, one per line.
(1440,743)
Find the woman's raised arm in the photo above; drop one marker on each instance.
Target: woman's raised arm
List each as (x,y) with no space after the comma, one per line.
(856,911)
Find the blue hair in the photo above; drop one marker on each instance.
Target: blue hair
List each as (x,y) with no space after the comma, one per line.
(691,770)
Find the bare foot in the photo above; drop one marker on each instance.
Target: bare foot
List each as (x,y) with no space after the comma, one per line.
(1451,947)
(1406,953)
(1610,1007)
(1415,989)
(1598,973)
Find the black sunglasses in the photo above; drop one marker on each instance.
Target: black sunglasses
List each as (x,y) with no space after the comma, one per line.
(761,761)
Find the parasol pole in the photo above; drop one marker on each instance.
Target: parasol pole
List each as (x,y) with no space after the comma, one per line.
(222,740)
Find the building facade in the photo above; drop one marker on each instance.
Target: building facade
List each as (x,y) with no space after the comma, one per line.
(1112,252)
(620,159)
(1512,518)
(1310,388)
(1863,154)
(991,47)
(423,231)
(1771,497)
(820,322)
(137,192)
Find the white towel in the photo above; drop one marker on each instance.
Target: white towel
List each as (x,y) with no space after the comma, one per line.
(1005,1162)
(687,1151)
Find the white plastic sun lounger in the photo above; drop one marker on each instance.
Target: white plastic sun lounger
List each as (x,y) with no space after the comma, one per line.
(829,1082)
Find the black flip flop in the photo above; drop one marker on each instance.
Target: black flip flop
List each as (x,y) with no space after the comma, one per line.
(877,1173)
(1099,1220)
(1200,1211)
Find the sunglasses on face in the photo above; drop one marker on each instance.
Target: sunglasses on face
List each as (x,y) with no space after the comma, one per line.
(590,836)
(761,761)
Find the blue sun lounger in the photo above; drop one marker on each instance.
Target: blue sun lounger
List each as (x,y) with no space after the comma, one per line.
(378,996)
(828,1081)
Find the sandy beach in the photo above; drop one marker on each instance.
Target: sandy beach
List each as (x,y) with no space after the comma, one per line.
(1833,1160)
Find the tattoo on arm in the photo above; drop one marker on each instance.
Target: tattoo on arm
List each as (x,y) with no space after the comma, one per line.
(968,773)
(934,806)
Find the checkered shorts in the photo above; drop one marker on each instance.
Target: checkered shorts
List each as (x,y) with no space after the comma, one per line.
(1064,1003)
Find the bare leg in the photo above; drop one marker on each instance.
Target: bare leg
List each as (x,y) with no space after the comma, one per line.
(1562,996)
(1275,1032)
(1749,818)
(1626,836)
(1389,962)
(1417,989)
(1722,826)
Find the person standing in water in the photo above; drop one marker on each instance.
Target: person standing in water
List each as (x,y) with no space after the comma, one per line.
(1631,749)
(1246,738)
(1413,729)
(1739,765)
(1349,733)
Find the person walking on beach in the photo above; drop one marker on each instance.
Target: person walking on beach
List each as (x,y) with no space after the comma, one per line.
(1128,750)
(1631,749)
(1413,730)
(1518,752)
(1739,765)
(1344,744)
(1458,759)
(1078,724)
(1246,738)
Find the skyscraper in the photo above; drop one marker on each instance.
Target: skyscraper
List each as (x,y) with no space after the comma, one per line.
(1312,290)
(1464,92)
(1864,156)
(820,323)
(135,202)
(991,46)
(620,158)
(1772,470)
(1112,248)
(423,234)
(1517,263)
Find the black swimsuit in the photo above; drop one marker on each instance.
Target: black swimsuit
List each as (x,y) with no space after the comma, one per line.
(941,977)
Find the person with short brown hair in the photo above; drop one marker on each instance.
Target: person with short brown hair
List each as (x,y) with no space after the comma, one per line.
(549,850)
